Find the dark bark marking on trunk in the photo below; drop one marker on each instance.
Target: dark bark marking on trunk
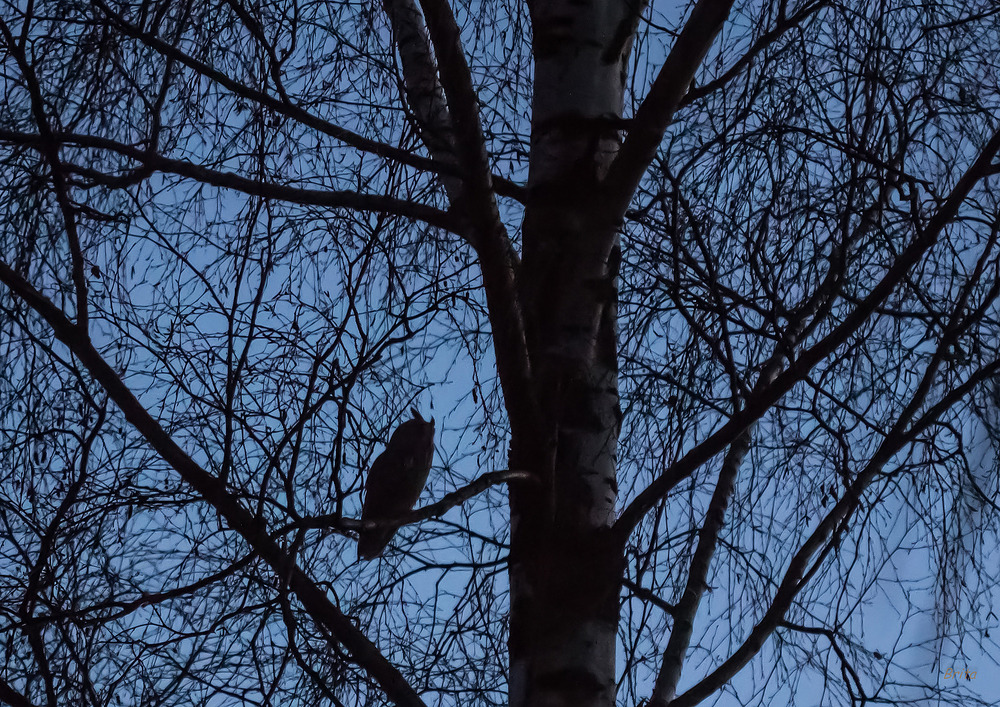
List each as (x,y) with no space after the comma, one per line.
(574,683)
(621,42)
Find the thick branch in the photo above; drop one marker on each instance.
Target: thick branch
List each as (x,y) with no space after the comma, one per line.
(251,528)
(658,108)
(463,108)
(311,197)
(687,608)
(10,696)
(478,204)
(424,93)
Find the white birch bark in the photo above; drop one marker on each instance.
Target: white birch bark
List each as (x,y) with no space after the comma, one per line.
(565,571)
(424,94)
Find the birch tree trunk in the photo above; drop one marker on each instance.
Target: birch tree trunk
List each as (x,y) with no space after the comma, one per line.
(565,566)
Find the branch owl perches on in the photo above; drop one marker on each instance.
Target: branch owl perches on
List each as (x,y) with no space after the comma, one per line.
(395,480)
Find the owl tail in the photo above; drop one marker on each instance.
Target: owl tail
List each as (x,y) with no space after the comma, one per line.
(371,543)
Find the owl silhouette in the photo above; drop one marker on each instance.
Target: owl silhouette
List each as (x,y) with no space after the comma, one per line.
(395,480)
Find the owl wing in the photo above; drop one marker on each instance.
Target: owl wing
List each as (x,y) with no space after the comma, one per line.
(378,486)
(386,495)
(395,480)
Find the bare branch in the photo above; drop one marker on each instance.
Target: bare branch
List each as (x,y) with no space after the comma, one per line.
(650,596)
(278,105)
(12,697)
(250,527)
(284,106)
(684,615)
(424,94)
(783,25)
(154,162)
(492,244)
(82,616)
(834,523)
(758,405)
(48,146)
(657,109)
(798,573)
(432,510)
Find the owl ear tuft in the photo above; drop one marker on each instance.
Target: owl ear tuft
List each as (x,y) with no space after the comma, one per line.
(416,415)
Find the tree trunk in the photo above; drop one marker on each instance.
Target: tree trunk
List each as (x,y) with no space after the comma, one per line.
(565,565)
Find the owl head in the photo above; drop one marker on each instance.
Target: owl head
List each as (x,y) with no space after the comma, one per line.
(413,431)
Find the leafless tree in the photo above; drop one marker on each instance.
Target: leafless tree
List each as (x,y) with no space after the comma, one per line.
(703,297)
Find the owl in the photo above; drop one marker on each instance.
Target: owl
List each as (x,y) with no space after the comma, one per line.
(395,480)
